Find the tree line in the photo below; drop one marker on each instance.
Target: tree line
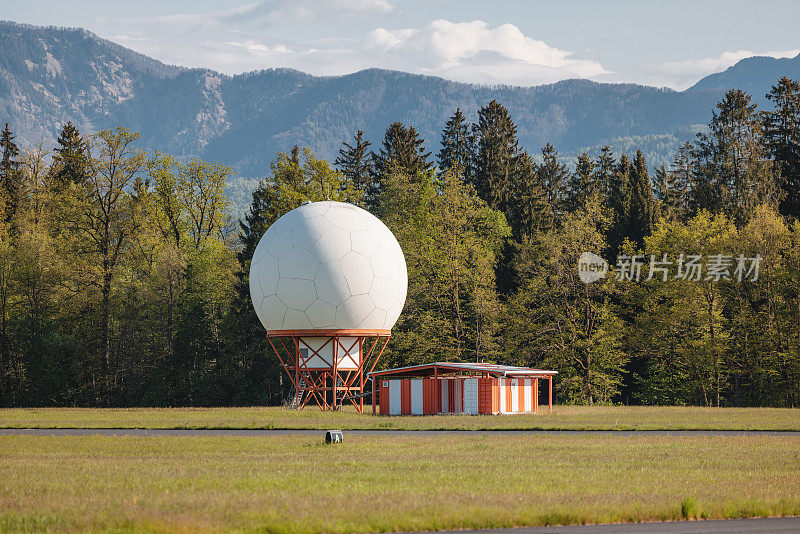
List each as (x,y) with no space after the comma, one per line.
(123,278)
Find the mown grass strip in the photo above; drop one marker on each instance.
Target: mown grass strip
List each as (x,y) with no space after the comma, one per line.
(562,418)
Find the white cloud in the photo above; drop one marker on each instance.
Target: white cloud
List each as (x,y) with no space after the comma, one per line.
(716,64)
(683,74)
(475,52)
(270,34)
(385,40)
(330,37)
(260,16)
(274,11)
(260,35)
(253,46)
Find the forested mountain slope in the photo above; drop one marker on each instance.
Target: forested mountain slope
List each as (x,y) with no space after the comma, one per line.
(51,75)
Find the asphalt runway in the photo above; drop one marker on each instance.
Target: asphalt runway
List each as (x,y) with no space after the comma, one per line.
(771,525)
(202,432)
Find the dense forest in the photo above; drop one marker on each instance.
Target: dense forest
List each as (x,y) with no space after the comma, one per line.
(123,277)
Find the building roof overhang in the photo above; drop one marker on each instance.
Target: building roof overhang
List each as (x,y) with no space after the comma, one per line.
(441,368)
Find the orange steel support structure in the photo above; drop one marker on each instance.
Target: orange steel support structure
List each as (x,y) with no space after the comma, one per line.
(328,384)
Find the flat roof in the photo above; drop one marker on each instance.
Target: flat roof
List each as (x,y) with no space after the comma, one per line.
(429,369)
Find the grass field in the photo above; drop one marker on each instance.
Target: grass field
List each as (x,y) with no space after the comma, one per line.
(380,483)
(562,417)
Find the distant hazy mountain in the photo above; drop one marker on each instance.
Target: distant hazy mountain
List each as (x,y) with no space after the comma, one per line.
(51,75)
(755,75)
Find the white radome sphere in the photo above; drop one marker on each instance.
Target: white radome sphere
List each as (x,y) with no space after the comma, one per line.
(328,266)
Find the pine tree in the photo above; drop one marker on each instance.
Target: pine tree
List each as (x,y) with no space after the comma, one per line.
(641,213)
(619,201)
(355,164)
(403,150)
(533,213)
(667,197)
(69,160)
(733,172)
(604,171)
(553,177)
(506,178)
(632,203)
(496,156)
(457,146)
(9,174)
(679,177)
(9,200)
(782,139)
(580,184)
(661,185)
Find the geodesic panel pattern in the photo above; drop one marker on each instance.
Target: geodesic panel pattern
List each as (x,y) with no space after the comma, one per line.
(328,266)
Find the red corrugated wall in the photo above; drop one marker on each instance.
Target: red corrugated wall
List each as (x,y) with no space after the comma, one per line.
(487,396)
(405,395)
(451,395)
(429,396)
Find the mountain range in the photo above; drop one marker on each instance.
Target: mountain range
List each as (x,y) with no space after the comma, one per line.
(50,75)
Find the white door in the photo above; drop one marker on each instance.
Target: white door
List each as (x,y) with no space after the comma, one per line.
(395,401)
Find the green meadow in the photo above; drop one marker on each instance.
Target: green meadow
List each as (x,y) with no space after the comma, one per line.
(387,483)
(561,418)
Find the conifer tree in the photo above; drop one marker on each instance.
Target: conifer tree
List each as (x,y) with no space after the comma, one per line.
(403,150)
(677,182)
(632,203)
(732,164)
(660,183)
(553,177)
(580,184)
(69,160)
(9,174)
(457,146)
(641,213)
(604,170)
(506,179)
(619,204)
(355,164)
(533,213)
(663,193)
(496,156)
(782,139)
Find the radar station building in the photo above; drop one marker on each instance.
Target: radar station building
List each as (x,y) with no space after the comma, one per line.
(468,388)
(328,281)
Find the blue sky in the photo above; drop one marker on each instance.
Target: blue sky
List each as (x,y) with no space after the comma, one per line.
(515,42)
